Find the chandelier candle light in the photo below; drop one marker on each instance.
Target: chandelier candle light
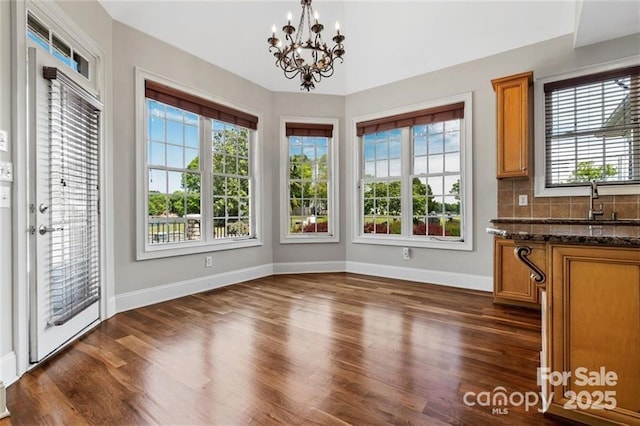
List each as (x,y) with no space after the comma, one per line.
(307,56)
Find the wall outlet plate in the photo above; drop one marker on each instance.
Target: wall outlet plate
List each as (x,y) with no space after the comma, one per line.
(5,197)
(406,253)
(523,200)
(208,261)
(6,171)
(4,140)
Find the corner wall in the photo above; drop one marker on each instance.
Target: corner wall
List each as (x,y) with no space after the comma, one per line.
(136,49)
(311,106)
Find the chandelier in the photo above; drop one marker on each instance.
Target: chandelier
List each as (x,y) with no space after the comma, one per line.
(306,55)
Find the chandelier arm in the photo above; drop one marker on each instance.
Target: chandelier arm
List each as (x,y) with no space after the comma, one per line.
(326,73)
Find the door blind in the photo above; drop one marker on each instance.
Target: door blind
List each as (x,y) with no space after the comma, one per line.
(592,128)
(74,127)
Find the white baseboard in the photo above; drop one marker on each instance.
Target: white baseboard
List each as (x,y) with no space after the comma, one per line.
(3,402)
(137,299)
(308,267)
(451,279)
(8,369)
(111,307)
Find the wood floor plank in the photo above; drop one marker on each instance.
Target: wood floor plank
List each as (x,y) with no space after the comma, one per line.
(332,349)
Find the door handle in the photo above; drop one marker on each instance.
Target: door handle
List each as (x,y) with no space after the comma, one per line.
(44,229)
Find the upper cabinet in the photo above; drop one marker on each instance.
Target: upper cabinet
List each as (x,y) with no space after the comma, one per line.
(513,95)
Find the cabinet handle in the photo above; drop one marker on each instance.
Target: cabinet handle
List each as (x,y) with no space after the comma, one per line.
(537,274)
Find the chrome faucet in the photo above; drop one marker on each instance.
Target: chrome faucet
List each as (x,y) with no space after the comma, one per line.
(592,196)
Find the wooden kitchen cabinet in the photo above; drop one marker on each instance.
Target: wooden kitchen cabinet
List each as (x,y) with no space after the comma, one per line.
(512,283)
(514,115)
(593,309)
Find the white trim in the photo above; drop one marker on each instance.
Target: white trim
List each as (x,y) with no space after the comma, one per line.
(56,21)
(4,412)
(20,248)
(308,267)
(8,369)
(140,298)
(412,241)
(197,247)
(466,170)
(540,189)
(333,196)
(427,276)
(144,250)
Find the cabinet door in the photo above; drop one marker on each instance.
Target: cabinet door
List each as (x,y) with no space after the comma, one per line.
(513,127)
(595,314)
(512,283)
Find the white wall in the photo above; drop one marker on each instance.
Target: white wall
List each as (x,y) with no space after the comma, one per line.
(546,58)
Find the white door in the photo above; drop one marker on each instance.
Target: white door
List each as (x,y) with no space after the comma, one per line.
(64,122)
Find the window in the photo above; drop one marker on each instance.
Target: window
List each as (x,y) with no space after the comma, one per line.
(192,205)
(414,176)
(591,129)
(309,180)
(40,34)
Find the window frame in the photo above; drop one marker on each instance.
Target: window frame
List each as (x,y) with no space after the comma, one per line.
(145,250)
(75,46)
(540,184)
(333,236)
(466,171)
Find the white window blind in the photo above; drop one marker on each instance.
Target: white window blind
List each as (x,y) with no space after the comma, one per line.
(592,128)
(74,126)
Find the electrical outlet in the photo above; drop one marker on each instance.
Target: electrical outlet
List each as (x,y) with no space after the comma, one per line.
(6,171)
(208,261)
(406,253)
(4,140)
(523,199)
(5,197)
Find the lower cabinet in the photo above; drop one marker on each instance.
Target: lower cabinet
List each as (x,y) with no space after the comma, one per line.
(512,283)
(593,309)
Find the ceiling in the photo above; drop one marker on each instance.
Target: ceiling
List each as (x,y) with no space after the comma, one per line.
(386,41)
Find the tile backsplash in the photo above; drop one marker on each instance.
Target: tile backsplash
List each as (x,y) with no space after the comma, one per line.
(626,206)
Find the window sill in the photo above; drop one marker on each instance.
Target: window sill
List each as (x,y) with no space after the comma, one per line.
(309,239)
(172,250)
(583,191)
(414,242)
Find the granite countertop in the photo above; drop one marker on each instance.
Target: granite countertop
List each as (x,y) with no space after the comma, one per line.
(569,231)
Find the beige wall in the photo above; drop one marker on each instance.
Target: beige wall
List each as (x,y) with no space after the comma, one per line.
(544,59)
(306,105)
(135,49)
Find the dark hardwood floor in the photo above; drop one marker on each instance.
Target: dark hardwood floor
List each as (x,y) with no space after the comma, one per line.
(295,349)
